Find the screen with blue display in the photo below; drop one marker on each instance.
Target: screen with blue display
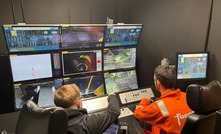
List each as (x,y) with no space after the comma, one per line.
(32,38)
(76,37)
(192,65)
(122,35)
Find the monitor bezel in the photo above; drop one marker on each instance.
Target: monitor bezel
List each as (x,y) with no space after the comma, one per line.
(122,25)
(198,52)
(83,25)
(31,25)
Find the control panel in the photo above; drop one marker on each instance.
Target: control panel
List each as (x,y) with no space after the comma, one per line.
(136,95)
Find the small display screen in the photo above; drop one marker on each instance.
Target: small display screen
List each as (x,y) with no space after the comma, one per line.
(192,66)
(122,35)
(27,38)
(119,58)
(113,129)
(120,81)
(30,67)
(42,93)
(82,36)
(90,86)
(81,62)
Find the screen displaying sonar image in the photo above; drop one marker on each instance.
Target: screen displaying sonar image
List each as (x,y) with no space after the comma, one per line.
(40,92)
(90,86)
(119,58)
(30,67)
(192,65)
(82,36)
(120,81)
(81,62)
(122,35)
(32,38)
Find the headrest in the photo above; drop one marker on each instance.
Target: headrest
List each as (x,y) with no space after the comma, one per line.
(203,99)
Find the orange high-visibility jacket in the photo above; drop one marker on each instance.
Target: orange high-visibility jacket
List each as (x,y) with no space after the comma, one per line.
(168,113)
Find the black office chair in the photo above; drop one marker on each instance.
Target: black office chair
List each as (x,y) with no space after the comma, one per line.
(204,101)
(36,120)
(217,129)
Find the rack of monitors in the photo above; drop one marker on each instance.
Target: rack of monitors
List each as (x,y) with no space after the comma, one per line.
(45,57)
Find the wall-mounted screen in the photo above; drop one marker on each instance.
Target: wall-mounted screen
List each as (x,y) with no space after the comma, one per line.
(30,67)
(119,58)
(192,65)
(91,85)
(75,37)
(120,81)
(81,62)
(122,35)
(32,38)
(42,93)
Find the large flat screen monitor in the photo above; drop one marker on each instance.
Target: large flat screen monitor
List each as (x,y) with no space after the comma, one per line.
(81,62)
(31,66)
(192,65)
(90,85)
(32,38)
(119,58)
(120,81)
(75,37)
(122,35)
(42,93)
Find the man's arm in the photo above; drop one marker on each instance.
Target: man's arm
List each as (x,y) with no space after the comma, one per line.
(99,122)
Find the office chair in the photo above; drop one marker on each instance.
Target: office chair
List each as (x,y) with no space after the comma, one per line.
(217,129)
(204,101)
(36,120)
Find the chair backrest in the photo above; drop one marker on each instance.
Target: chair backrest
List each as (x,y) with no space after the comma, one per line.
(217,129)
(36,120)
(204,101)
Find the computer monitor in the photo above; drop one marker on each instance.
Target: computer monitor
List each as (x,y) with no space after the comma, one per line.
(122,35)
(75,37)
(120,81)
(79,62)
(32,38)
(192,65)
(90,85)
(120,58)
(42,93)
(30,66)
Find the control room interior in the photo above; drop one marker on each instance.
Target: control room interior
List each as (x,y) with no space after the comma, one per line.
(166,30)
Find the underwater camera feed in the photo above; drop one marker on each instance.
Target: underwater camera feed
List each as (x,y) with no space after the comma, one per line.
(120,81)
(119,58)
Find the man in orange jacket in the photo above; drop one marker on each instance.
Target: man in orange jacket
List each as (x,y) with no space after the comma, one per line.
(168,114)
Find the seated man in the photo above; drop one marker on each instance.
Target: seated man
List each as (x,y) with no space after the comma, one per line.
(167,114)
(79,122)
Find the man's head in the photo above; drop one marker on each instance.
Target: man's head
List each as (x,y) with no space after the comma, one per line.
(166,76)
(68,96)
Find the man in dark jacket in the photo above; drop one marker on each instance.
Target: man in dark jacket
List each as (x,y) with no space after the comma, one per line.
(79,122)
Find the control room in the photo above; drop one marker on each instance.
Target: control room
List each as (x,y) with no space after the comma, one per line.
(123,55)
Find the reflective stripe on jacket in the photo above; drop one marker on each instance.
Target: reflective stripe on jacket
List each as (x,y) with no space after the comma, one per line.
(168,113)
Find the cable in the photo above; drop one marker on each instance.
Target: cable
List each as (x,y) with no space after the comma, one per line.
(22,9)
(13,11)
(209,26)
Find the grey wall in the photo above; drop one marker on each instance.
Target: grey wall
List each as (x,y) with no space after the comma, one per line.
(215,42)
(169,27)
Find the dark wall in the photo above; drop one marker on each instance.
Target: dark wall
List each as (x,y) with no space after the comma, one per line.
(215,42)
(169,27)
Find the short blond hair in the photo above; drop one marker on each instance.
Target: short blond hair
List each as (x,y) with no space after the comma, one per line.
(67,95)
